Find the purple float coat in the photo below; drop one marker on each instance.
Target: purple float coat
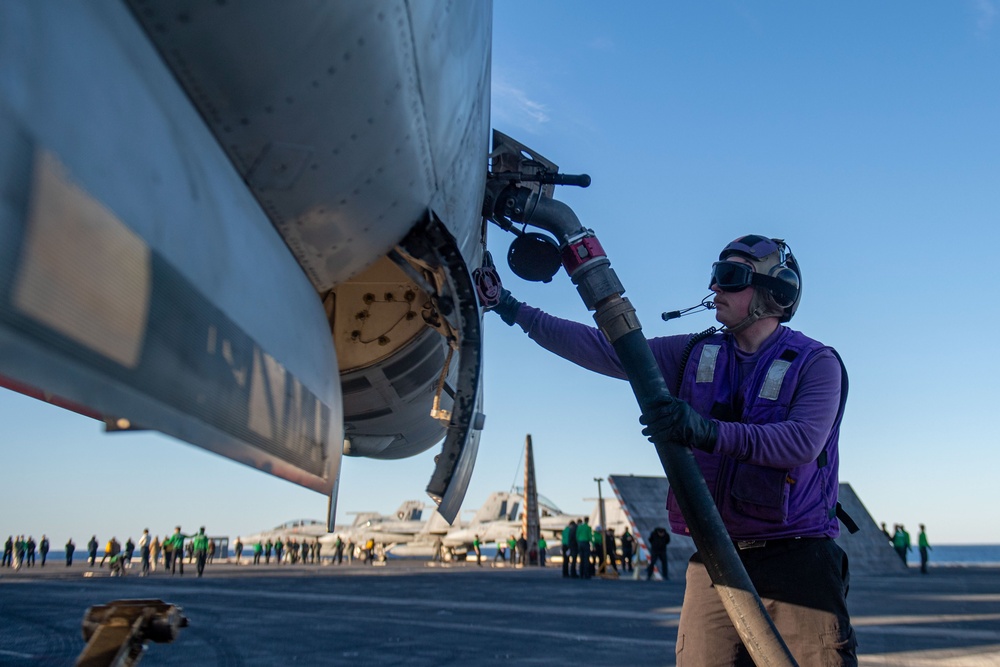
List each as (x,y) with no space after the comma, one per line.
(792,441)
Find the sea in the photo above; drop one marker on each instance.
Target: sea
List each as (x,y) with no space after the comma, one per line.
(941,555)
(959,555)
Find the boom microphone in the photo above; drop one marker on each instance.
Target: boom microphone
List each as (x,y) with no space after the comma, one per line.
(674,314)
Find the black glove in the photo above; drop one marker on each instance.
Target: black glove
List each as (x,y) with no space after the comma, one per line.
(507,307)
(673,420)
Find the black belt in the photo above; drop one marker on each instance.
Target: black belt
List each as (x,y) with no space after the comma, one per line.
(751,546)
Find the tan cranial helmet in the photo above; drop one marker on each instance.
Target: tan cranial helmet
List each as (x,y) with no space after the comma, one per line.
(777,279)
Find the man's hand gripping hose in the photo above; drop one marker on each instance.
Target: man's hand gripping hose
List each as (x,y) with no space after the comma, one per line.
(673,420)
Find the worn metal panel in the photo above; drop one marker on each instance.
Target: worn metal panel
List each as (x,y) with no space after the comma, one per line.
(138,275)
(349,120)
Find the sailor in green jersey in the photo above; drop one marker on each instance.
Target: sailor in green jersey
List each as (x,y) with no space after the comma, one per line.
(200,545)
(117,565)
(923,545)
(501,553)
(568,537)
(583,536)
(476,544)
(597,549)
(177,543)
(338,551)
(901,542)
(542,546)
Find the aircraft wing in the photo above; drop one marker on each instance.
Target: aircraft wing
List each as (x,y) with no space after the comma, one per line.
(250,225)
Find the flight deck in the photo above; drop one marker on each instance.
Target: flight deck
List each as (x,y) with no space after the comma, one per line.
(409,613)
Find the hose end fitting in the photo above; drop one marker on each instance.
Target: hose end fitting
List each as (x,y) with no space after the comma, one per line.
(616,317)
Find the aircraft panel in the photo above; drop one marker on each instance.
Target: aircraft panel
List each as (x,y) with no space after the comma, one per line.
(125,285)
(367,120)
(327,115)
(230,169)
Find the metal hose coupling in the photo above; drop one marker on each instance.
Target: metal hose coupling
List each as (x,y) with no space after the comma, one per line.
(616,317)
(590,269)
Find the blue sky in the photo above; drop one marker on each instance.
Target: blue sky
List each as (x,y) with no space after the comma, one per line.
(865,134)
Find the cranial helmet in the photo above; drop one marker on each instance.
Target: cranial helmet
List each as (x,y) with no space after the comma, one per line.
(776,272)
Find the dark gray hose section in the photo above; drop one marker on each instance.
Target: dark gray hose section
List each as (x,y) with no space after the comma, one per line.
(738,595)
(554,216)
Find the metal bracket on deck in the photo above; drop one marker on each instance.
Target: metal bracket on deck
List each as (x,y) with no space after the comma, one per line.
(116,633)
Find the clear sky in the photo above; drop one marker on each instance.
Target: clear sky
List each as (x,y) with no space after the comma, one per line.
(865,134)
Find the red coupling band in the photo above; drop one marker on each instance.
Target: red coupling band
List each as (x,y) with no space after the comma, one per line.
(579,253)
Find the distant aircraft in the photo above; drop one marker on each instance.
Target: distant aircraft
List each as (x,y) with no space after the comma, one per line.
(297,528)
(410,536)
(406,533)
(500,518)
(409,513)
(250,225)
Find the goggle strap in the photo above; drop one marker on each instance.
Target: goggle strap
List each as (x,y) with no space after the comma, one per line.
(773,284)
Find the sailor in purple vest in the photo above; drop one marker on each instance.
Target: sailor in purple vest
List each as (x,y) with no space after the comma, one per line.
(760,404)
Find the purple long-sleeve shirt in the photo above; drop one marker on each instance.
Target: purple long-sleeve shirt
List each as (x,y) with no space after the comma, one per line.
(796,441)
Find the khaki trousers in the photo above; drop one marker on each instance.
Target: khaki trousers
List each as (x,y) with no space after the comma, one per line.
(803,584)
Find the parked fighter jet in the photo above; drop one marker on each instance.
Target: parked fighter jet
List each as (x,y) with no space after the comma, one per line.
(409,536)
(250,225)
(410,513)
(500,518)
(297,528)
(406,534)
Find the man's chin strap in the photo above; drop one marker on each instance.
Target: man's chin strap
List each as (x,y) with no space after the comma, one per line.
(757,313)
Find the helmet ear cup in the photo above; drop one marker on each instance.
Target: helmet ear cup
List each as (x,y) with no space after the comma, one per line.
(785,298)
(791,265)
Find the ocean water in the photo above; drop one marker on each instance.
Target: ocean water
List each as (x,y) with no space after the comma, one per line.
(941,555)
(959,555)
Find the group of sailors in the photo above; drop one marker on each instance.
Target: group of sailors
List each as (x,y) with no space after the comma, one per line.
(590,550)
(586,550)
(900,540)
(20,551)
(520,552)
(170,552)
(289,551)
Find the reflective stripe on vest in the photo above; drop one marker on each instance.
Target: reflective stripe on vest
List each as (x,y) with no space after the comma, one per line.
(771,388)
(706,363)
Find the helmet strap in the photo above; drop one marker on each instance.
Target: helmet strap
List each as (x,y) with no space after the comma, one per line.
(745,322)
